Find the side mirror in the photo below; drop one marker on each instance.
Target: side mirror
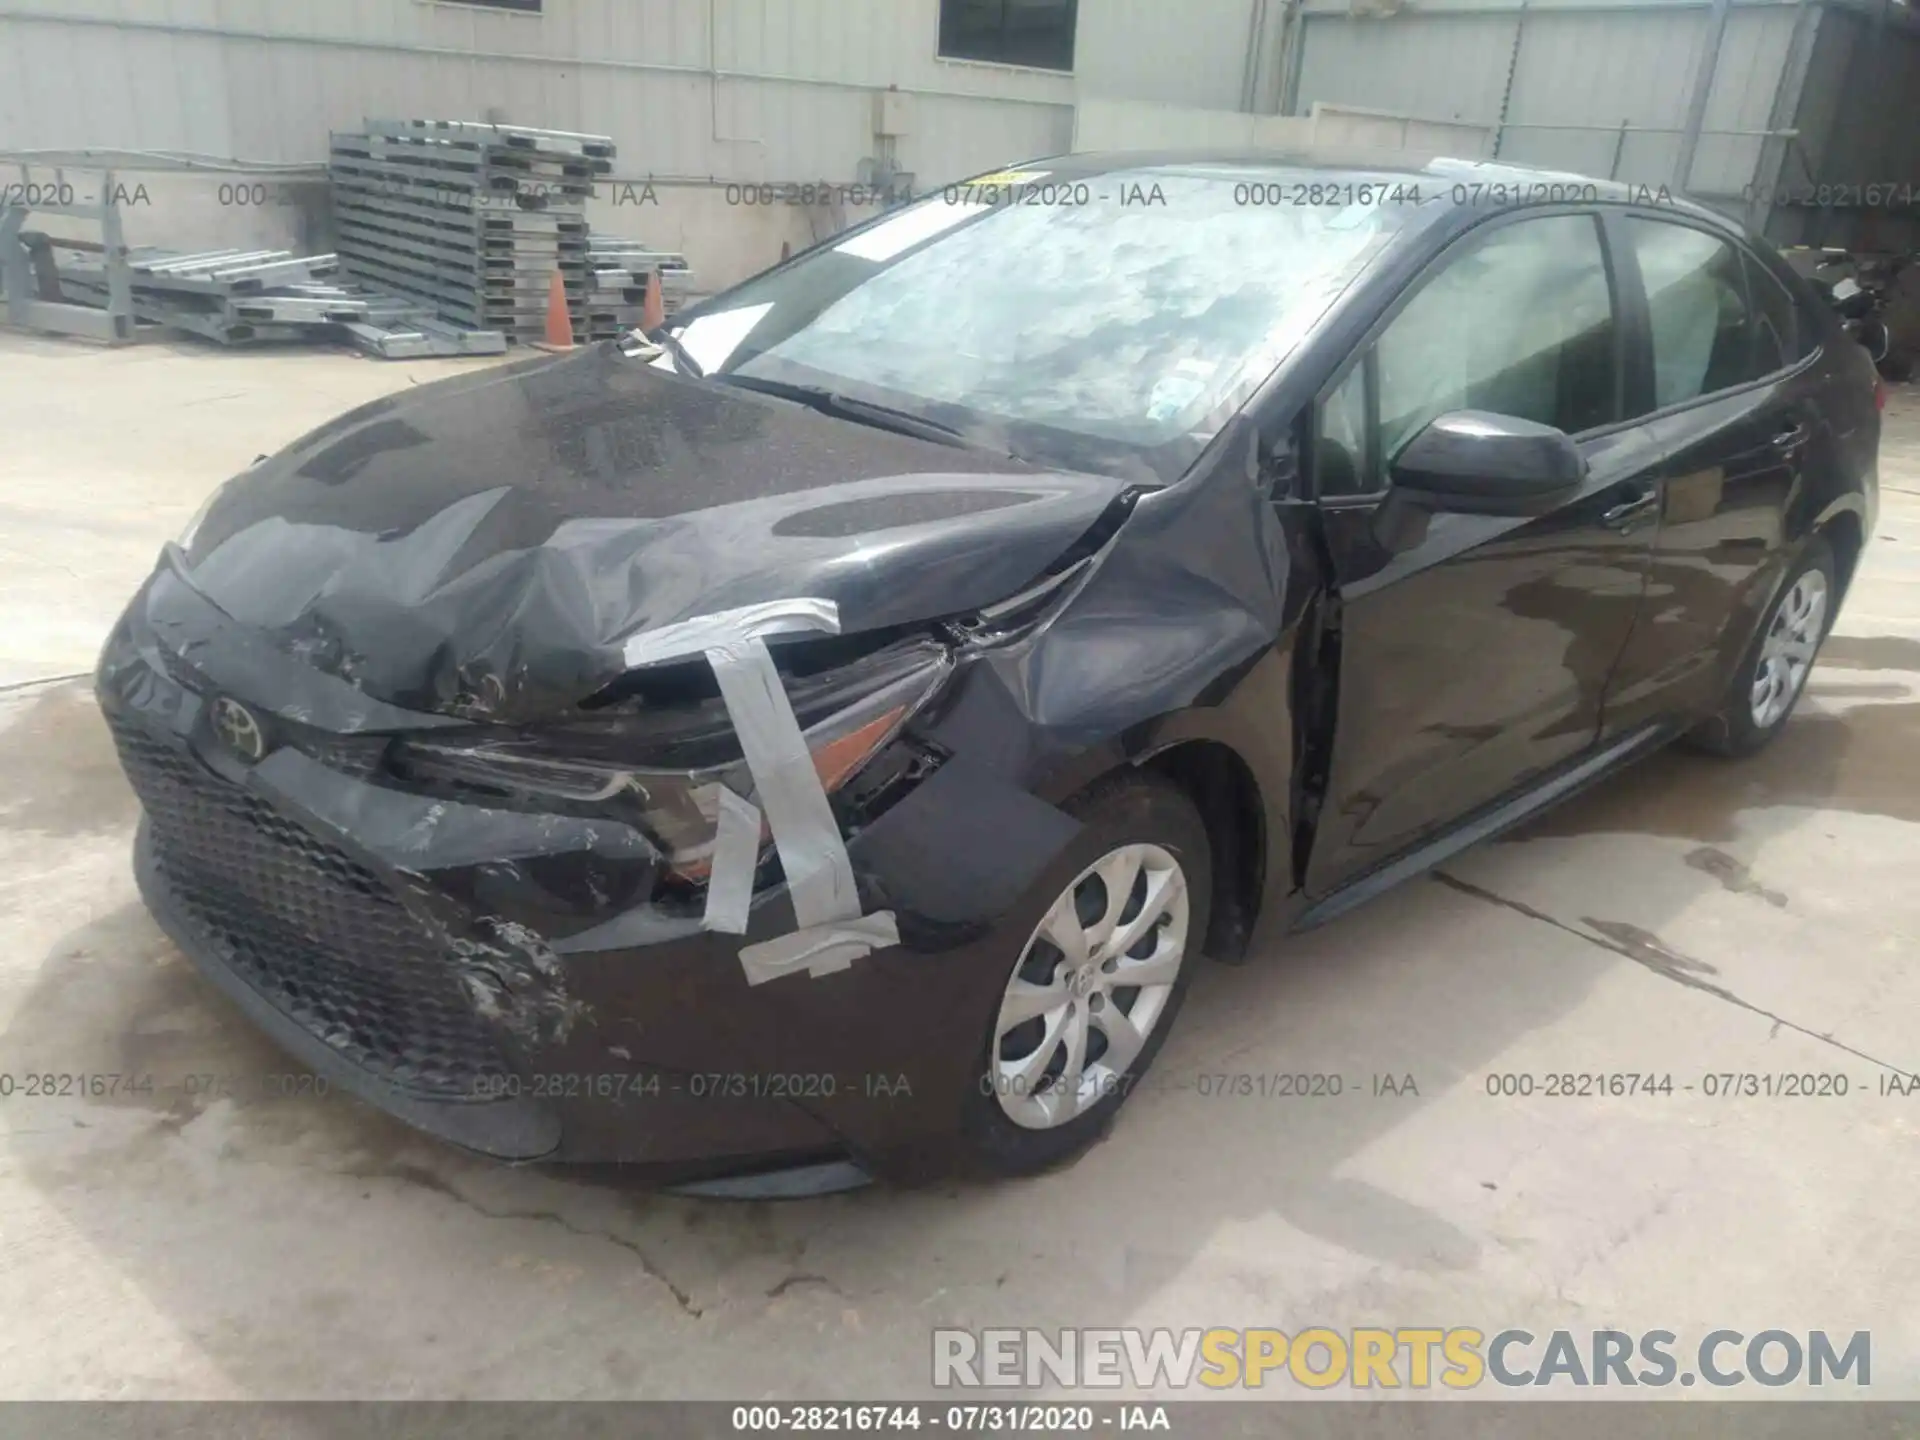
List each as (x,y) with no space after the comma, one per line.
(1473,462)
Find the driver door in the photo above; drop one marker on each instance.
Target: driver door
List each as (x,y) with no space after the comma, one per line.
(1475,650)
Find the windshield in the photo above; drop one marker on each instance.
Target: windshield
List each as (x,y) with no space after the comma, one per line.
(1111,321)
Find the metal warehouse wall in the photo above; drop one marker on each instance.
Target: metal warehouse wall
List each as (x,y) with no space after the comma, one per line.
(1602,87)
(1858,114)
(729,89)
(1586,68)
(1170,52)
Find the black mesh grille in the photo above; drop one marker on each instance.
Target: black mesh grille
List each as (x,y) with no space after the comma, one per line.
(308,927)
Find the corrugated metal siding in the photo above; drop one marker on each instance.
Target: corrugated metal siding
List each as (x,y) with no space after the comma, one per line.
(1449,67)
(1601,70)
(1192,53)
(1753,54)
(780,89)
(1857,119)
(955,137)
(1823,96)
(727,89)
(1132,125)
(1587,68)
(1877,80)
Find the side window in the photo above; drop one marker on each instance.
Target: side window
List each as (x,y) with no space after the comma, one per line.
(1704,337)
(1782,339)
(1521,324)
(1341,462)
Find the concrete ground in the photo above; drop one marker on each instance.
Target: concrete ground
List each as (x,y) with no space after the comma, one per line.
(1690,916)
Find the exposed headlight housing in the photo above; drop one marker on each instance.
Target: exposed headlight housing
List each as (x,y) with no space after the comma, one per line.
(623,766)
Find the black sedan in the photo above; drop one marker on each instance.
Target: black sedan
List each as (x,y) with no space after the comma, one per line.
(820,740)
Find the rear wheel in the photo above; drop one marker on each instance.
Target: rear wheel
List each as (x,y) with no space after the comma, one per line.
(1113,935)
(1768,684)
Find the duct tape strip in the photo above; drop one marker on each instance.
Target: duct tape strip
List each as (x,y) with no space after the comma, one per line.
(826,904)
(685,638)
(819,874)
(821,950)
(736,849)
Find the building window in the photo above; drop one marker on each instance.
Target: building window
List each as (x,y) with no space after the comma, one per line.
(1009,32)
(523,7)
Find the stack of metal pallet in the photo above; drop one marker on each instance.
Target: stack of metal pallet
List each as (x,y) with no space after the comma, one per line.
(402,330)
(255,297)
(469,219)
(236,297)
(620,269)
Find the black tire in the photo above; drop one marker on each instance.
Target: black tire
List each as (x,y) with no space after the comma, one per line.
(1731,730)
(1876,339)
(1133,808)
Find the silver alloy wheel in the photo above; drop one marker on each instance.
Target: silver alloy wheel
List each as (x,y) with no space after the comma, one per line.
(1799,625)
(1093,981)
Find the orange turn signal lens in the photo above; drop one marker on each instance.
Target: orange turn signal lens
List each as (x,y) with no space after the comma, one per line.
(836,760)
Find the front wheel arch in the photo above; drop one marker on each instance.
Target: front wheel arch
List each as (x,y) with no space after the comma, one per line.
(1223,789)
(1123,809)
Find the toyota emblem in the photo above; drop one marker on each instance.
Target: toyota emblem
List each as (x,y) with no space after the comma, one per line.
(238,730)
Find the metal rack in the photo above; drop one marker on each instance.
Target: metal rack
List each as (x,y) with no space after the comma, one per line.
(448,236)
(258,297)
(29,267)
(619,269)
(469,220)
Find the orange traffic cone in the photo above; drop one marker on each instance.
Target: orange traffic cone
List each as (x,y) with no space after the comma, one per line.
(653,308)
(559,322)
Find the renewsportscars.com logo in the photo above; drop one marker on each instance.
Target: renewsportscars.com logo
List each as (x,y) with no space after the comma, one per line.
(1418,1358)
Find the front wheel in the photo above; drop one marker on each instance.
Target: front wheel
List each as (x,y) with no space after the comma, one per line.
(1768,683)
(1113,933)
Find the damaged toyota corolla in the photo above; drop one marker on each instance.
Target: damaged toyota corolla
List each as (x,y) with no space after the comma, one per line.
(820,739)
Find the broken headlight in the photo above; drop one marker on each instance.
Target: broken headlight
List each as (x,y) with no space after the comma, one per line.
(663,772)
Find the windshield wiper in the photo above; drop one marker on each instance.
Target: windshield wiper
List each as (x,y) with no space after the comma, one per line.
(866,412)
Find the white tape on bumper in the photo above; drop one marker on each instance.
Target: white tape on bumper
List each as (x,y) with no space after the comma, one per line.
(736,853)
(822,950)
(826,903)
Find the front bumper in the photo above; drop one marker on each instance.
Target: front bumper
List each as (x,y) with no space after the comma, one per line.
(503,981)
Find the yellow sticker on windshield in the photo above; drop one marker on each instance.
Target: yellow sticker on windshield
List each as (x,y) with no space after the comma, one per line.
(1009,177)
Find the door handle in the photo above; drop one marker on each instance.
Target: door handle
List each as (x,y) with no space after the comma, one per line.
(1792,437)
(1624,516)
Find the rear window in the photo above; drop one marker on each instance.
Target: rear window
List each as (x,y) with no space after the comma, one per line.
(1706,336)
(1783,336)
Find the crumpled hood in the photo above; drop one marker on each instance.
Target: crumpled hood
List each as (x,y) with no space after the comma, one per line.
(484,546)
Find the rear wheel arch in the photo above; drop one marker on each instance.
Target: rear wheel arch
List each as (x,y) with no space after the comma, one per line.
(1846,536)
(1733,728)
(1223,789)
(1838,528)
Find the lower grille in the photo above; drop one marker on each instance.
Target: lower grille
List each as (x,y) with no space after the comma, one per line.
(313,931)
